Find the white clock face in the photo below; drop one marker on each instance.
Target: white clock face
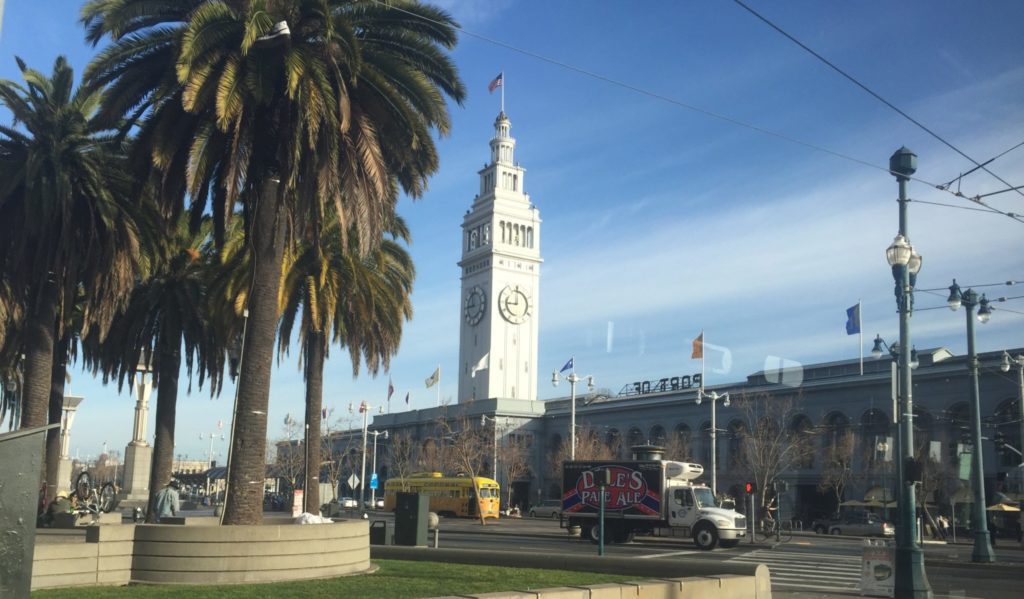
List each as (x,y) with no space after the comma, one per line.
(476,305)
(514,304)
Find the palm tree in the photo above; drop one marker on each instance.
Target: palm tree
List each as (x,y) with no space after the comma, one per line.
(358,303)
(302,111)
(166,312)
(69,230)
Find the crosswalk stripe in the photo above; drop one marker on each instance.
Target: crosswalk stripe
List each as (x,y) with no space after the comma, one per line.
(670,554)
(805,571)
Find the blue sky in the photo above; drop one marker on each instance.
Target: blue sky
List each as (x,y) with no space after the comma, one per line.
(661,221)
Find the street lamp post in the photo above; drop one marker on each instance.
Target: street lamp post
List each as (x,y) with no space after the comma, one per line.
(212,437)
(982,551)
(364,409)
(373,491)
(494,462)
(714,397)
(894,353)
(573,378)
(910,577)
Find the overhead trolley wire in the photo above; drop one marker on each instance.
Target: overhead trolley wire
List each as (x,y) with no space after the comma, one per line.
(699,110)
(873,94)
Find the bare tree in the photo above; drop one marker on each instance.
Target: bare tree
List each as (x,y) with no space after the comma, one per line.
(467,448)
(514,463)
(678,447)
(336,447)
(289,459)
(589,446)
(934,476)
(401,452)
(768,445)
(837,468)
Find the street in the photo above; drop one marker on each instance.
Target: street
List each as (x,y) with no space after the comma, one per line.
(808,566)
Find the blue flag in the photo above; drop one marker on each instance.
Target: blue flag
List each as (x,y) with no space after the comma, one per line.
(853,319)
(568,366)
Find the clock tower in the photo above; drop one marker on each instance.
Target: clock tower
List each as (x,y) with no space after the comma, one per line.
(500,281)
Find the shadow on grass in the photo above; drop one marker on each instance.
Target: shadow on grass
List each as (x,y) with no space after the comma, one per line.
(394,579)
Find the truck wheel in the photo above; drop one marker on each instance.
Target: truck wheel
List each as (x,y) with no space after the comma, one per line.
(623,536)
(588,533)
(706,537)
(819,529)
(836,531)
(728,543)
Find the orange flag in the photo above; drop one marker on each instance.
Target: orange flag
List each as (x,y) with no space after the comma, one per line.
(698,347)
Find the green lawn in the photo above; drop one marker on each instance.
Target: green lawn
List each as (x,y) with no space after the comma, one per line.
(394,580)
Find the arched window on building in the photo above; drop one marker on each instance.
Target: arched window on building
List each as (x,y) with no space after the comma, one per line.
(657,435)
(473,238)
(957,431)
(516,233)
(529,237)
(555,446)
(487,234)
(801,430)
(613,439)
(1007,427)
(636,437)
(924,431)
(680,445)
(735,437)
(876,444)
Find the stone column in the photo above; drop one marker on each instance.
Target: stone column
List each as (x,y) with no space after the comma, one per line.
(138,455)
(64,467)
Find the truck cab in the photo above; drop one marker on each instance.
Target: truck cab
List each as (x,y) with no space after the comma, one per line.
(693,511)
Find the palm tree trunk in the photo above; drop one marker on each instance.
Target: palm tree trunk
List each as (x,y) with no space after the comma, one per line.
(58,376)
(244,503)
(161,469)
(314,401)
(39,337)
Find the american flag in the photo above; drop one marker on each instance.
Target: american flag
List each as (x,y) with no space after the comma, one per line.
(496,83)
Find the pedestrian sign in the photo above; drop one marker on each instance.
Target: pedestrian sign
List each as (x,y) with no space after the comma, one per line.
(373,481)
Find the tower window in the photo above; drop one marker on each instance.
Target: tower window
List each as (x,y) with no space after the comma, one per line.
(473,239)
(529,237)
(487,234)
(515,182)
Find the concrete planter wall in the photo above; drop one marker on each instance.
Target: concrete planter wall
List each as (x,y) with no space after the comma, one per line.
(162,554)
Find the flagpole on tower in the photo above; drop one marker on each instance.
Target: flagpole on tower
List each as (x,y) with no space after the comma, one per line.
(503,91)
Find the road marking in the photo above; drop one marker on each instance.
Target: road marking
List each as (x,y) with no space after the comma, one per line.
(670,554)
(804,570)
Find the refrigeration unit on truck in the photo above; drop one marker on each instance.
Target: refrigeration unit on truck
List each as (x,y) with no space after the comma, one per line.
(647,496)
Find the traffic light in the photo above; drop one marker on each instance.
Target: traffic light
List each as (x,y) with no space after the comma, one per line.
(912,471)
(1000,441)
(750,488)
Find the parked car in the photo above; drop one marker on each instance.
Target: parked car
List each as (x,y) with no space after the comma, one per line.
(822,525)
(348,503)
(858,524)
(374,504)
(549,508)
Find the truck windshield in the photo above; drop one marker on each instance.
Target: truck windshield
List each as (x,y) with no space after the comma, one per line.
(704,498)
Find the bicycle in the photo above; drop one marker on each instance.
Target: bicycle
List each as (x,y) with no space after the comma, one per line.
(87,498)
(782,532)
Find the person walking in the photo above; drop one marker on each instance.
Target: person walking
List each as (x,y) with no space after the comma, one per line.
(943,523)
(167,502)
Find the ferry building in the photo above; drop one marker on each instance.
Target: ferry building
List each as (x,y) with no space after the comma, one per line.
(832,409)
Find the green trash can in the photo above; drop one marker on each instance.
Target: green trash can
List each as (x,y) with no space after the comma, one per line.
(411,511)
